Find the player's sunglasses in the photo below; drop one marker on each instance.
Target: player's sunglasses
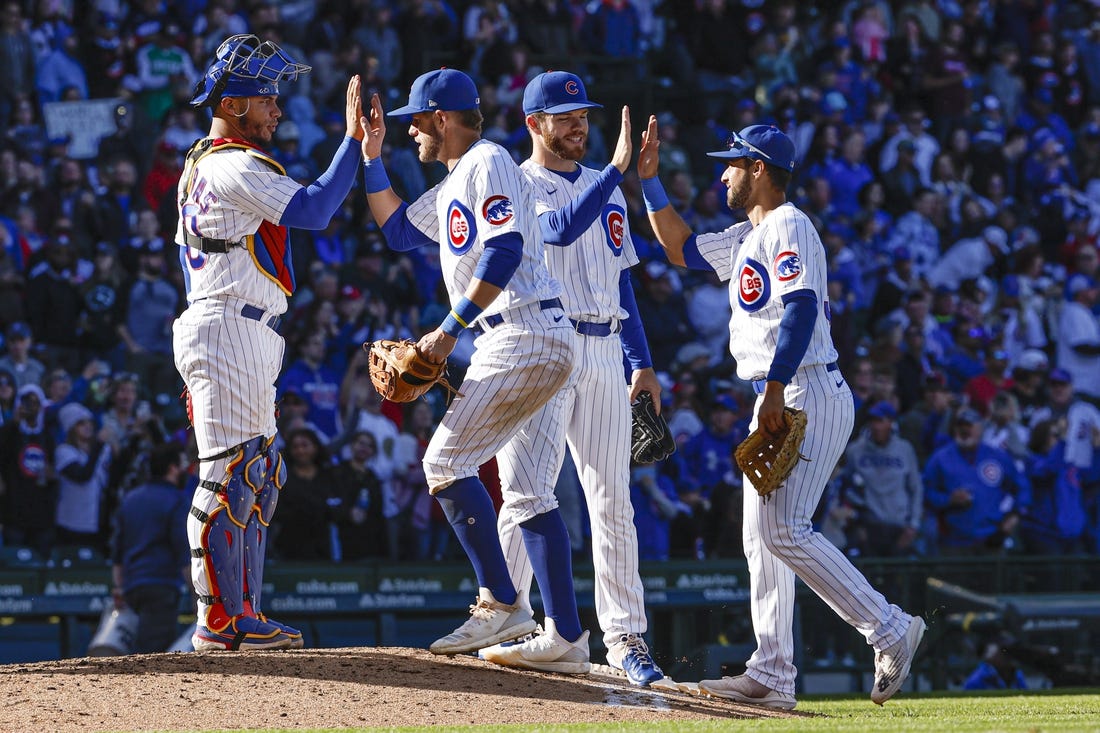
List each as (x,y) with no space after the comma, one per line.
(737,143)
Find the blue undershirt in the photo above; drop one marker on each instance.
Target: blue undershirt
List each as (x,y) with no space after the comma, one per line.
(563,227)
(313,206)
(635,345)
(795,330)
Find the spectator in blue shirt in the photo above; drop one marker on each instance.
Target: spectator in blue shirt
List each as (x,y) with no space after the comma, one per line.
(317,384)
(149,551)
(976,491)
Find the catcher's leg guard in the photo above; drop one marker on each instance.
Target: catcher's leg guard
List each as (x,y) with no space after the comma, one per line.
(255,537)
(216,532)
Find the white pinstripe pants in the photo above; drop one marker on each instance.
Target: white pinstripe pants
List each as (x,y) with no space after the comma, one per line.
(780,541)
(516,368)
(593,416)
(230,365)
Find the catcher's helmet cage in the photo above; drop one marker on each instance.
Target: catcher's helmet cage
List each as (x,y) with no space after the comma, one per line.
(244,66)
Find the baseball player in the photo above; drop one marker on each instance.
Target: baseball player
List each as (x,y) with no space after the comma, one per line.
(779,335)
(235,206)
(582,215)
(482,214)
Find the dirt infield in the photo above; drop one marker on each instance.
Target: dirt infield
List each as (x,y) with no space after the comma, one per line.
(322,688)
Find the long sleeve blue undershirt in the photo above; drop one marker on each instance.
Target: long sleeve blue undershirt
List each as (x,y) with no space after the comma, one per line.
(564,226)
(635,344)
(795,330)
(313,206)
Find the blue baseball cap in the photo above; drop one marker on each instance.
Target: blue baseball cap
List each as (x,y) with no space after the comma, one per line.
(883,410)
(1078,282)
(1060,375)
(766,143)
(444,89)
(554,92)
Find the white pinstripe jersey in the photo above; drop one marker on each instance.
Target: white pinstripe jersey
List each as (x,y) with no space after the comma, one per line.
(233,192)
(762,264)
(589,268)
(486,195)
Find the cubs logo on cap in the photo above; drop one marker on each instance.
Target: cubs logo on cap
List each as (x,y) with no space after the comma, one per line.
(461,229)
(497,210)
(787,266)
(613,221)
(753,285)
(555,92)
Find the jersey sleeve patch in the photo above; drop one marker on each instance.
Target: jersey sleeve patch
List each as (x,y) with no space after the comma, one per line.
(613,221)
(461,229)
(497,210)
(753,285)
(787,266)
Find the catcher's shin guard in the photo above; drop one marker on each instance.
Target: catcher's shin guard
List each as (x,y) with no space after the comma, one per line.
(216,524)
(255,538)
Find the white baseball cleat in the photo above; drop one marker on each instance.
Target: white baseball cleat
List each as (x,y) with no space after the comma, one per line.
(490,622)
(892,664)
(546,652)
(743,688)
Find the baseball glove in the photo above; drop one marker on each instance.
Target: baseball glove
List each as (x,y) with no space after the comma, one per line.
(767,460)
(400,373)
(651,439)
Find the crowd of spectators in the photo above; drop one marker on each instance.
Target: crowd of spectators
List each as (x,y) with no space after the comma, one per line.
(949,155)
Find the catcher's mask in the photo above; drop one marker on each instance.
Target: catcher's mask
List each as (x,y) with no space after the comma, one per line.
(244,66)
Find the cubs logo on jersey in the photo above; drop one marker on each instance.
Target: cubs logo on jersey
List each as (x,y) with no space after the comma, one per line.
(991,473)
(613,221)
(497,210)
(461,229)
(787,266)
(753,285)
(32,460)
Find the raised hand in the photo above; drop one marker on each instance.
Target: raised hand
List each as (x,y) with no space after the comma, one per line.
(353,111)
(374,129)
(623,148)
(647,156)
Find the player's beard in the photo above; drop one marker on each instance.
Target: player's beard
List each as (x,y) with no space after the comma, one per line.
(431,142)
(737,196)
(565,150)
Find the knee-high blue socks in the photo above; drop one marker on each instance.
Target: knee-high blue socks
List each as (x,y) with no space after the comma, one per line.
(468,508)
(547,543)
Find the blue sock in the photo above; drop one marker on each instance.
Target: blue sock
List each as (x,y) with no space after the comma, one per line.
(469,509)
(547,543)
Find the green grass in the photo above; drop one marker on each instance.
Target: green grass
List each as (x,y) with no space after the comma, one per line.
(944,712)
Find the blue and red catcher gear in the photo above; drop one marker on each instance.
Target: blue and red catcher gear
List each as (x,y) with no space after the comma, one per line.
(244,66)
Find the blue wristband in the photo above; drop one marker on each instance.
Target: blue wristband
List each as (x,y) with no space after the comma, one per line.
(374,175)
(460,317)
(653,193)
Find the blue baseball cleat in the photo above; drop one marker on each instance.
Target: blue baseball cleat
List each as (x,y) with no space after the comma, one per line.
(296,640)
(631,656)
(242,633)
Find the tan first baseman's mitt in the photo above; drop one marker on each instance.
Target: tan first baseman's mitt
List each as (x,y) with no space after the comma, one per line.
(400,373)
(767,460)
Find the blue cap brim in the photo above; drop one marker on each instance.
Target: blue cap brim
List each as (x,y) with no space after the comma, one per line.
(728,154)
(408,109)
(570,107)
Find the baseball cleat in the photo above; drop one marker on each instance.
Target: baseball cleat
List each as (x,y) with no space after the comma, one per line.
(546,652)
(295,636)
(242,633)
(490,622)
(631,656)
(892,664)
(743,688)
